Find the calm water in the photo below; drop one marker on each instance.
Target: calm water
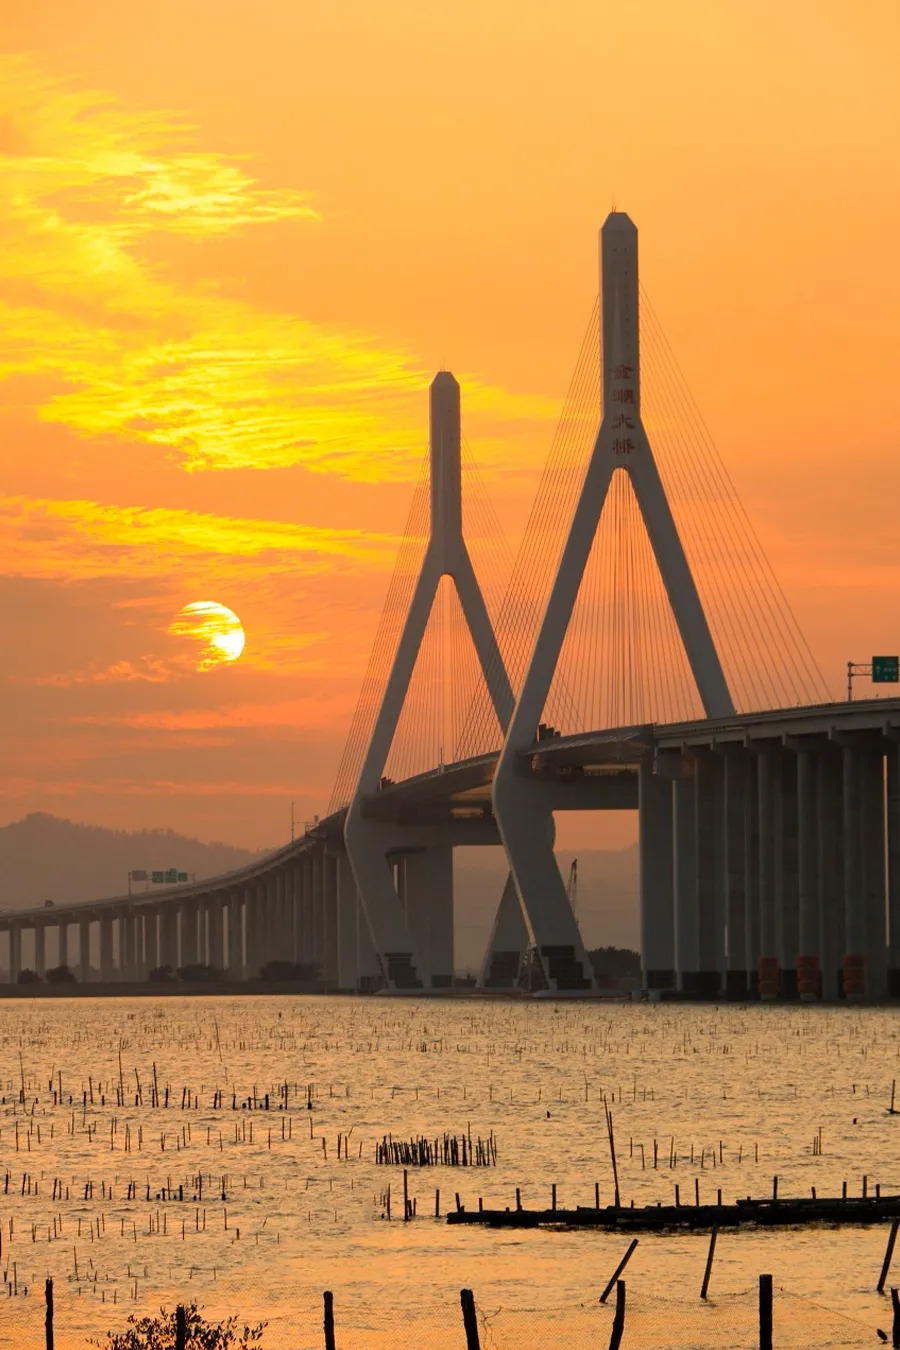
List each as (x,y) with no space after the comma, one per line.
(745,1090)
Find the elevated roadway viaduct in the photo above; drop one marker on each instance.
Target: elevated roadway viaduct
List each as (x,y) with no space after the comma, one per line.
(769,866)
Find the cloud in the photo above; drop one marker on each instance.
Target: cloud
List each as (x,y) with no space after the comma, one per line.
(80,538)
(149,670)
(88,187)
(297,712)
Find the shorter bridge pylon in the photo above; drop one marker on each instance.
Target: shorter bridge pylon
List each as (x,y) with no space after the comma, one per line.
(410,952)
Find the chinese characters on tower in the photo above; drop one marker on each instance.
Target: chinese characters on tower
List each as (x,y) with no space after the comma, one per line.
(623,422)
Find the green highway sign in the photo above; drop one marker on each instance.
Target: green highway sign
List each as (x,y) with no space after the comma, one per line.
(158,878)
(886,669)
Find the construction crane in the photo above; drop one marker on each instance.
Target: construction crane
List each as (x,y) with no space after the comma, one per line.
(572,887)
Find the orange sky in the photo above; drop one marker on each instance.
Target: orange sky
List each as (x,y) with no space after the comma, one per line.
(235,242)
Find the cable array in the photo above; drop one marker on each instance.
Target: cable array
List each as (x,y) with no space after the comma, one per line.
(390,626)
(622,661)
(767,660)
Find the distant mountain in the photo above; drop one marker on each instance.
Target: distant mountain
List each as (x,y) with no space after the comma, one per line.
(45,858)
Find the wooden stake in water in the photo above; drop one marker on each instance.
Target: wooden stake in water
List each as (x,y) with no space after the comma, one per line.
(180,1328)
(704,1288)
(48,1319)
(328,1298)
(470,1321)
(889,1252)
(765,1312)
(618,1271)
(618,1326)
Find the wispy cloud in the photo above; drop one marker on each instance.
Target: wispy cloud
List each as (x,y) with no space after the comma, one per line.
(326,710)
(41,537)
(147,670)
(133,352)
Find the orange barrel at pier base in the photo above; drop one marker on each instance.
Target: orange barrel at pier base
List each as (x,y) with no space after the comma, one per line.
(854,976)
(768,977)
(808,980)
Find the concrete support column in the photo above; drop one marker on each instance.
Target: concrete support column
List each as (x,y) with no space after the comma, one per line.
(107,968)
(855,935)
(687,915)
(426,889)
(130,953)
(216,925)
(285,912)
(63,943)
(369,976)
(235,959)
(40,950)
(873,880)
(202,931)
(786,877)
(346,924)
(84,950)
(329,916)
(189,943)
(15,951)
(254,912)
(709,870)
(657,878)
(735,872)
(151,940)
(751,870)
(509,941)
(318,900)
(295,901)
(309,908)
(251,969)
(168,936)
(809,957)
(767,786)
(893,849)
(830,856)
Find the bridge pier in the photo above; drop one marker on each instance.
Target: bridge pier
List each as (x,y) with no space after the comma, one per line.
(427,895)
(687,914)
(893,851)
(84,950)
(507,944)
(189,941)
(735,773)
(657,882)
(40,955)
(107,970)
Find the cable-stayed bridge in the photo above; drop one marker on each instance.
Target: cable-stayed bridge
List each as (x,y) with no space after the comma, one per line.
(637,655)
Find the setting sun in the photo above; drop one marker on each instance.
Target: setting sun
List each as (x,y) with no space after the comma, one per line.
(215,628)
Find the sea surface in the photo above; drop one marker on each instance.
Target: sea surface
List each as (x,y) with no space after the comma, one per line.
(726,1097)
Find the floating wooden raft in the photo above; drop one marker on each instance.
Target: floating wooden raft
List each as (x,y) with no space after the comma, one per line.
(764,1213)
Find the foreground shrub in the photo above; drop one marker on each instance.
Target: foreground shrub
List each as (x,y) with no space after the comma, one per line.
(158,1333)
(288,971)
(61,975)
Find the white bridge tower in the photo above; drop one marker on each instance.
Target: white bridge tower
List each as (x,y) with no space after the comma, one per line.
(521,804)
(413,941)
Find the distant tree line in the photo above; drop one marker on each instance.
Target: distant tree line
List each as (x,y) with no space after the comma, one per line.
(615,963)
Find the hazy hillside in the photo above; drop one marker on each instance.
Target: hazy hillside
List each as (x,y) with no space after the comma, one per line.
(607,897)
(44,858)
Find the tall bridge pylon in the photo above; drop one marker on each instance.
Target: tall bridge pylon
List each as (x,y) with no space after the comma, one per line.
(521,803)
(413,934)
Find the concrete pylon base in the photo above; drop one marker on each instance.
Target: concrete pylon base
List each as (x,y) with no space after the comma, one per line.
(507,944)
(737,985)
